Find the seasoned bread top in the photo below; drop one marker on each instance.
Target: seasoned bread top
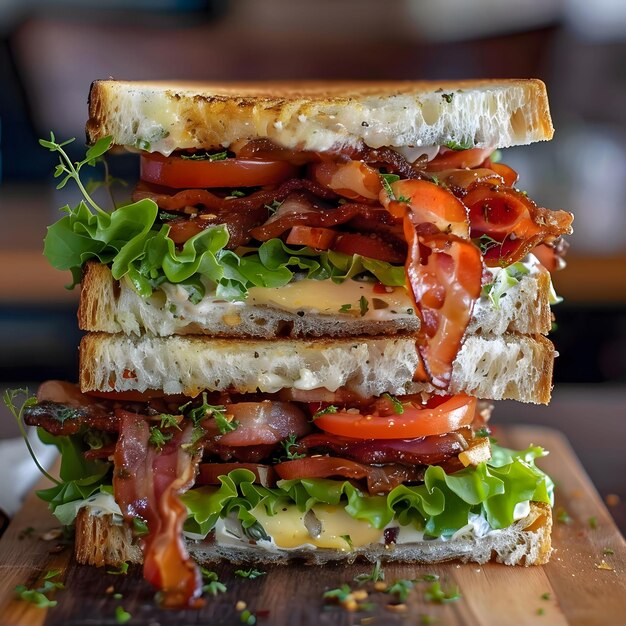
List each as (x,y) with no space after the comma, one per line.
(165,116)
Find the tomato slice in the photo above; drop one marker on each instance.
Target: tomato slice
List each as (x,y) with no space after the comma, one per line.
(179,173)
(370,246)
(318,238)
(454,159)
(415,421)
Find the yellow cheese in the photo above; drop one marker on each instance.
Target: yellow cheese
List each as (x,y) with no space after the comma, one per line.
(325,296)
(287,528)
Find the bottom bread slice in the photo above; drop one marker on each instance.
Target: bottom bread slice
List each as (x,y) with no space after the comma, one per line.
(526,542)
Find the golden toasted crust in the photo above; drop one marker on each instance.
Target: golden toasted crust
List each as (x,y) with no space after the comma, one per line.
(100,542)
(165,116)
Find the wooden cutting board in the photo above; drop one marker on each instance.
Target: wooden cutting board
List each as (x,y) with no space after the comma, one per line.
(578,592)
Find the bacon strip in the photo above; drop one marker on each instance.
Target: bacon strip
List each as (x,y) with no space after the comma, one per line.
(147,483)
(513,221)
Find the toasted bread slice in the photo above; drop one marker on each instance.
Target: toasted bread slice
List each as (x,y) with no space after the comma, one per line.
(110,306)
(509,366)
(525,542)
(166,116)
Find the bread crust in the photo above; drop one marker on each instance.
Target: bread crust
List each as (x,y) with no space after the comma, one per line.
(165,116)
(515,367)
(526,542)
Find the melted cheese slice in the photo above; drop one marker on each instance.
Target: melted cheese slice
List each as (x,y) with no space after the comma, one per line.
(287,528)
(327,297)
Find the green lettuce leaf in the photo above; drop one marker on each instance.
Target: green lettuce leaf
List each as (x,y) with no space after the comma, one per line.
(80,477)
(440,506)
(133,243)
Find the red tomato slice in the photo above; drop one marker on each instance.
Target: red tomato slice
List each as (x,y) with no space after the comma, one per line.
(179,173)
(454,159)
(318,238)
(415,421)
(369,246)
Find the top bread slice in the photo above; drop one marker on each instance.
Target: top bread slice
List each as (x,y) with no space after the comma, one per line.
(319,116)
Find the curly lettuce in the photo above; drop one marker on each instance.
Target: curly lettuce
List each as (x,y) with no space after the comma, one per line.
(439,507)
(135,244)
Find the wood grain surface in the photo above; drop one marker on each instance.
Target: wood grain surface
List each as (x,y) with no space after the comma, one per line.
(578,592)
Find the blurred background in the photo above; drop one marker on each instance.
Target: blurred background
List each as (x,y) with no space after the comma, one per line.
(51,50)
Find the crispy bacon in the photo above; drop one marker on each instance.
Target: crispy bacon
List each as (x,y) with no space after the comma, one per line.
(147,483)
(213,202)
(380,479)
(327,218)
(420,451)
(444,271)
(513,223)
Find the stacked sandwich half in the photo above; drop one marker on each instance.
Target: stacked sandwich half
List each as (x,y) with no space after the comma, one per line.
(289,328)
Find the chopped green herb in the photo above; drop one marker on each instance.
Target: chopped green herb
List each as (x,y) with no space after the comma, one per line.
(140,527)
(340,594)
(563,517)
(205,156)
(608,551)
(288,444)
(401,588)
(157,438)
(426,578)
(363,305)
(486,243)
(545,596)
(435,593)
(398,408)
(237,193)
(272,208)
(387,180)
(593,522)
(447,97)
(541,611)
(205,410)
(117,596)
(376,575)
(483,432)
(466,144)
(404,199)
(39,596)
(345,308)
(166,217)
(122,616)
(425,618)
(331,408)
(213,586)
(348,540)
(122,570)
(249,573)
(169,421)
(246,617)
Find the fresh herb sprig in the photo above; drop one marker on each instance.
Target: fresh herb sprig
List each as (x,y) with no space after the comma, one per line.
(9,398)
(289,444)
(376,575)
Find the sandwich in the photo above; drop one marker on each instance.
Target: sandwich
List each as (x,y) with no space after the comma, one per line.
(295,327)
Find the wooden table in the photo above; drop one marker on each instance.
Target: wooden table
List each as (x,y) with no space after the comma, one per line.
(578,592)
